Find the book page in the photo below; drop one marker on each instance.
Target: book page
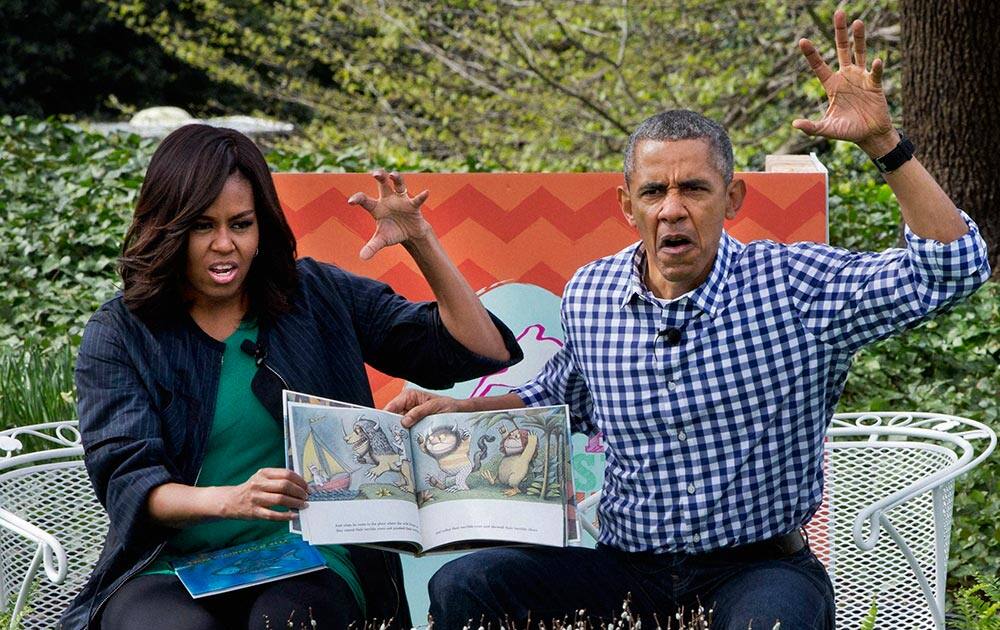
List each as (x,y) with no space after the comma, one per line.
(472,520)
(357,462)
(493,475)
(295,525)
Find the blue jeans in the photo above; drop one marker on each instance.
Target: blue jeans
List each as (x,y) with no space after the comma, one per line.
(531,585)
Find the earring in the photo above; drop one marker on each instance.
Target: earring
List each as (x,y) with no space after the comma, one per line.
(257,251)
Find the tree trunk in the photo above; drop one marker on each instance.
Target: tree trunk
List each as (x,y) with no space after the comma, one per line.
(951,80)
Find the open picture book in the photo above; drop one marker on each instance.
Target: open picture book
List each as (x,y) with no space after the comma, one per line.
(454,481)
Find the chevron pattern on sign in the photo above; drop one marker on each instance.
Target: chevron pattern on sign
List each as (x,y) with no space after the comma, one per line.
(535,228)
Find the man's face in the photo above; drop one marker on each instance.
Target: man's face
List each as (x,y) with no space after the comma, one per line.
(677,200)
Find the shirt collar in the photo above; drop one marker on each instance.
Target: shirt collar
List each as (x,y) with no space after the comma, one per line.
(707,297)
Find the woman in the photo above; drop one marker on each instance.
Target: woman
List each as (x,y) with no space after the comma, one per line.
(214,306)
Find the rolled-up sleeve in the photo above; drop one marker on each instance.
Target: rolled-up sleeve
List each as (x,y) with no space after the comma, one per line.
(960,264)
(849,299)
(121,433)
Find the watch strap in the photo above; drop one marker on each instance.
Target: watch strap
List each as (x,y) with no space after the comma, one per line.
(899,155)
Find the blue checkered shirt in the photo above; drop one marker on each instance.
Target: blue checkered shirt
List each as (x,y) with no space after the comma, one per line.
(717,439)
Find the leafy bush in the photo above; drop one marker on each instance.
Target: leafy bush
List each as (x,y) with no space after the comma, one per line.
(978,606)
(864,214)
(65,196)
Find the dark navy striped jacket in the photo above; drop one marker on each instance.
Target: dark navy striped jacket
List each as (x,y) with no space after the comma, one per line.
(147,396)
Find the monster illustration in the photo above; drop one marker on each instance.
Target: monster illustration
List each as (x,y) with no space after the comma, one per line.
(371,446)
(450,449)
(398,441)
(518,448)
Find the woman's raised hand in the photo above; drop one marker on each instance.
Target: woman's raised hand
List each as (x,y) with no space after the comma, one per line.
(256,497)
(397,215)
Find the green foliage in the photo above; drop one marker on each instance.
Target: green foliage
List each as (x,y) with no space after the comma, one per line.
(71,57)
(978,606)
(8,612)
(519,85)
(868,623)
(65,196)
(306,156)
(864,214)
(948,364)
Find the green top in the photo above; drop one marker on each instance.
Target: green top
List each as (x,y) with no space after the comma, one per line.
(244,438)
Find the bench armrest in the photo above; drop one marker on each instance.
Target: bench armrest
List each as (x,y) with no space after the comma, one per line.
(52,552)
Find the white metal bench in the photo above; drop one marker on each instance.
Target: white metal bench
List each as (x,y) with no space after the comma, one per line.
(49,519)
(890,472)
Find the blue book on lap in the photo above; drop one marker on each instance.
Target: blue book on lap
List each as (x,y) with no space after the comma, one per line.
(247,565)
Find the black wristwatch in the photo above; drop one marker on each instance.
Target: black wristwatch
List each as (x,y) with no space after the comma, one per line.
(900,155)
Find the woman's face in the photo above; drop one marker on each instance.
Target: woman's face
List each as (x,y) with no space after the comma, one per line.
(221,246)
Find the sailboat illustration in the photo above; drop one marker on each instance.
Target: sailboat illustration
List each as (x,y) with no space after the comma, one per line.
(324,472)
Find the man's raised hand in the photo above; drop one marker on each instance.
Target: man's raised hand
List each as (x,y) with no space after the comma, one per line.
(857,110)
(397,215)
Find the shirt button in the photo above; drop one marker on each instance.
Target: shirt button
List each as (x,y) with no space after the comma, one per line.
(692,488)
(696,537)
(672,385)
(682,436)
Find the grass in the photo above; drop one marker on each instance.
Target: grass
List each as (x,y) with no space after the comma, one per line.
(696,620)
(36,385)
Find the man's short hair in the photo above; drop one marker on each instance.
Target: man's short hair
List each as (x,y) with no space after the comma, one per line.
(683,124)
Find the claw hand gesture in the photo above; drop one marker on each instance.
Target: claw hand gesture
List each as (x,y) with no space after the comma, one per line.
(857,111)
(397,215)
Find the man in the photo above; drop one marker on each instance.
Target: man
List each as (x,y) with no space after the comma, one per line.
(713,368)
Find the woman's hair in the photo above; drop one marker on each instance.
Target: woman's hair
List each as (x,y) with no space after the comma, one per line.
(185,176)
